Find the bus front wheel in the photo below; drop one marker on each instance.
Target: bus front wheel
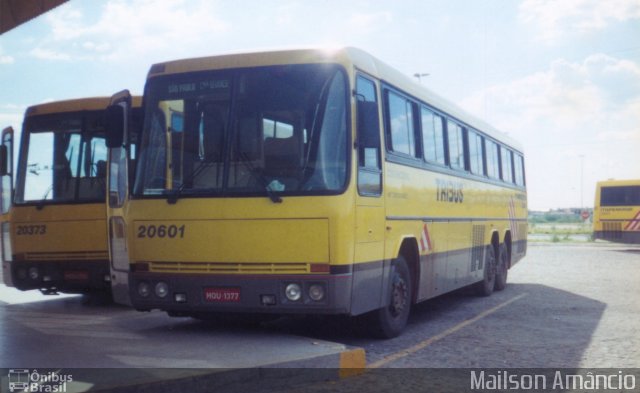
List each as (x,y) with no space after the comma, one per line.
(389,321)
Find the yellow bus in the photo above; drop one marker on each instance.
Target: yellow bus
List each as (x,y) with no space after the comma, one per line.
(313,182)
(54,234)
(616,213)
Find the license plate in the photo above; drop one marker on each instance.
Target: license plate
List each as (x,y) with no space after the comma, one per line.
(222,295)
(76,275)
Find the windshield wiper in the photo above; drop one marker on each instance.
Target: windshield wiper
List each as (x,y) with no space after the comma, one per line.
(275,198)
(174,195)
(42,202)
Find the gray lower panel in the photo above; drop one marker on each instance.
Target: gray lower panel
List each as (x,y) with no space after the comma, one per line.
(62,276)
(369,289)
(619,236)
(251,291)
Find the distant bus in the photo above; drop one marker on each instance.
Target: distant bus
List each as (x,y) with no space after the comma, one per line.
(313,182)
(616,213)
(54,233)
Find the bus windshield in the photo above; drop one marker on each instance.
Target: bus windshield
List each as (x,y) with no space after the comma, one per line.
(63,159)
(246,132)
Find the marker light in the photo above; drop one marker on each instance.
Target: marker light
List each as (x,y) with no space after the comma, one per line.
(144,289)
(316,292)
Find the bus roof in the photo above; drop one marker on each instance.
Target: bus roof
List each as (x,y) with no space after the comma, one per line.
(613,183)
(348,57)
(79,104)
(74,105)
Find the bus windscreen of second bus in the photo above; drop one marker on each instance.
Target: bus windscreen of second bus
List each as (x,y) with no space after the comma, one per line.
(63,163)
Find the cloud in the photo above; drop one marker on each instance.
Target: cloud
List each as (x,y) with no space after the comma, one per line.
(370,22)
(6,59)
(566,91)
(49,54)
(118,30)
(555,19)
(589,108)
(122,29)
(11,115)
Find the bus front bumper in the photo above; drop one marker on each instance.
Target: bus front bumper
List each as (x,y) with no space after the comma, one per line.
(61,276)
(626,237)
(194,294)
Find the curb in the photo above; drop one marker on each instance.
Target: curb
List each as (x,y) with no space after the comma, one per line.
(270,377)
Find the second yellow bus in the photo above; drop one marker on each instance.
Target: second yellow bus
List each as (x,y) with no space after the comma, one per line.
(54,234)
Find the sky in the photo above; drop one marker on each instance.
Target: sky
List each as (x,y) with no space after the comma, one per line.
(561,77)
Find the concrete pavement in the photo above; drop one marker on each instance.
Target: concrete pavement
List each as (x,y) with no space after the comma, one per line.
(108,347)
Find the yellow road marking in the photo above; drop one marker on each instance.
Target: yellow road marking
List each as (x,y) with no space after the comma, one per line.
(431,340)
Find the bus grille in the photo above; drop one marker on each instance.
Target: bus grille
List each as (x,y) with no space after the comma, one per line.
(229,268)
(612,230)
(63,256)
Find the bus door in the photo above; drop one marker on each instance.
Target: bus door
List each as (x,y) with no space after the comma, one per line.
(6,193)
(370,219)
(120,153)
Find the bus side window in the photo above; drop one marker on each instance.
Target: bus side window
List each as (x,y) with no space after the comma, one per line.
(432,136)
(519,169)
(505,164)
(456,145)
(476,157)
(401,124)
(493,165)
(369,160)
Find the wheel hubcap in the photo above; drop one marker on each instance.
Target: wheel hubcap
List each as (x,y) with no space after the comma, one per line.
(398,297)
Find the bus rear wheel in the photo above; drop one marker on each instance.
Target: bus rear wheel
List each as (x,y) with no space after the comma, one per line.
(486,286)
(390,321)
(502,268)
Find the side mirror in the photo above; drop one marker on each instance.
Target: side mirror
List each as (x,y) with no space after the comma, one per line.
(4,160)
(368,124)
(115,126)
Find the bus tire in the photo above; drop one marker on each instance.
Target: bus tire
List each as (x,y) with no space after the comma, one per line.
(502,268)
(390,321)
(486,286)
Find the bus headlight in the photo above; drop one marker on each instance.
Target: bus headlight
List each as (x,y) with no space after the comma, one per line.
(144,289)
(293,292)
(162,289)
(316,292)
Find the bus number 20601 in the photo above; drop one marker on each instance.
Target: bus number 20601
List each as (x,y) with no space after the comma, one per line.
(161,231)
